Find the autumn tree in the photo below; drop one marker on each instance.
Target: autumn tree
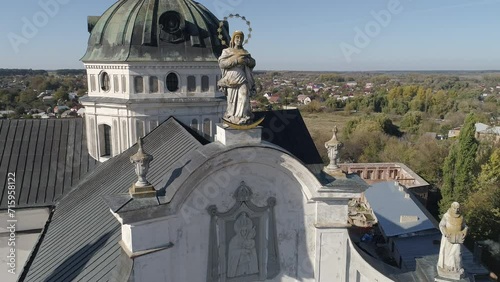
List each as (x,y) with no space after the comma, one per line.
(61,94)
(364,140)
(411,121)
(483,205)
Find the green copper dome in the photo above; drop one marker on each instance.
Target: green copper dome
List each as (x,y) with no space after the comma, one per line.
(154,30)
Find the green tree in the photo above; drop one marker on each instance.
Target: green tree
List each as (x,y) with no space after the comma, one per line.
(61,94)
(460,166)
(313,107)
(428,157)
(331,77)
(364,140)
(352,105)
(26,97)
(411,121)
(483,205)
(7,99)
(448,180)
(20,111)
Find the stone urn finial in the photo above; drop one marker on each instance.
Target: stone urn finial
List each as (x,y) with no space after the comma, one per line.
(141,160)
(333,146)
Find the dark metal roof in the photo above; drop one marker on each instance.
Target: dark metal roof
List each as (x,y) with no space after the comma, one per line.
(413,247)
(47,156)
(288,130)
(81,242)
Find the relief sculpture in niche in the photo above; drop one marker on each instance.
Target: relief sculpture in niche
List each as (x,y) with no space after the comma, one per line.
(242,259)
(243,242)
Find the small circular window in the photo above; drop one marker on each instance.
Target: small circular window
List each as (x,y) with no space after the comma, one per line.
(170,22)
(172,82)
(105,82)
(171,26)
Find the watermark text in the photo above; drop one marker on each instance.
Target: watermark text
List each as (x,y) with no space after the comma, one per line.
(11,222)
(32,25)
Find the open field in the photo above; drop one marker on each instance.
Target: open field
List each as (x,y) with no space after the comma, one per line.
(326,121)
(320,126)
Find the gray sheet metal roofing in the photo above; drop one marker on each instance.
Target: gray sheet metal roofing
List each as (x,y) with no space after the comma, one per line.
(81,242)
(388,204)
(47,156)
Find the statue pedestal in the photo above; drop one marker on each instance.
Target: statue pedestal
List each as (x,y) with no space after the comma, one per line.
(442,279)
(229,136)
(337,173)
(142,192)
(446,276)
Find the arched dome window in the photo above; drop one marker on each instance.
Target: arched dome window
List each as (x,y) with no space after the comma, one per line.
(207,128)
(139,129)
(194,124)
(153,84)
(124,84)
(105,140)
(139,84)
(191,81)
(104,81)
(172,82)
(205,86)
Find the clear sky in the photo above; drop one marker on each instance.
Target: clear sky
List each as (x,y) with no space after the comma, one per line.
(324,35)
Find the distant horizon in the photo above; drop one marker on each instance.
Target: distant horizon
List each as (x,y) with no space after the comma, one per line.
(323,35)
(291,70)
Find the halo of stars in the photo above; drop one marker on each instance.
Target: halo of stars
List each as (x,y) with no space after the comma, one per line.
(230,16)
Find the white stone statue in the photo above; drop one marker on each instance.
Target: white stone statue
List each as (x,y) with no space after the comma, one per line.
(237,80)
(242,254)
(454,231)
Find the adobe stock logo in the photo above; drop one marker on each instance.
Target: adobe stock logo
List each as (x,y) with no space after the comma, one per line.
(31,26)
(363,37)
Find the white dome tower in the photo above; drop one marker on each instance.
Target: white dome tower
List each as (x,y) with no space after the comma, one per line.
(148,60)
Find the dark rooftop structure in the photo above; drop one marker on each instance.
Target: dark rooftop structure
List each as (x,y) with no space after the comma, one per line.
(47,157)
(287,129)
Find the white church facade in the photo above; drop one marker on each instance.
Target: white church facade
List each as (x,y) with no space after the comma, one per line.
(127,101)
(146,63)
(240,209)
(201,202)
